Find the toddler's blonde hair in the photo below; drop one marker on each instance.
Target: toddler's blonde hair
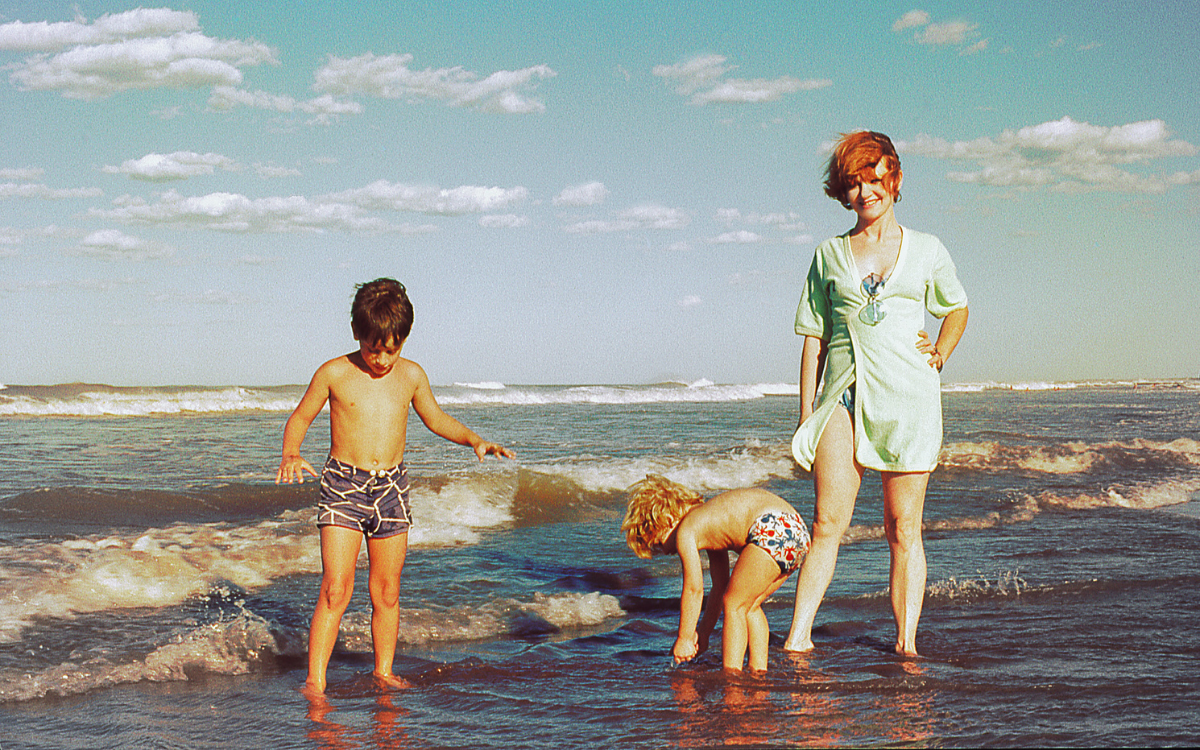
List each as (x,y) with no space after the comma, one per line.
(655,504)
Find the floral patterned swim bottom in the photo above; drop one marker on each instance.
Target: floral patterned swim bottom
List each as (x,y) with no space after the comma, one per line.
(783,536)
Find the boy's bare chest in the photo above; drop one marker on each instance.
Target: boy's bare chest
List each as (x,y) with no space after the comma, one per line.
(374,396)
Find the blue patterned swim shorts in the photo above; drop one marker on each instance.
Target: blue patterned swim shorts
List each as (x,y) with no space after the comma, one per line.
(374,502)
(783,536)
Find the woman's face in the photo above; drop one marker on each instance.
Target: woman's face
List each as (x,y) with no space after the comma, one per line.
(867,195)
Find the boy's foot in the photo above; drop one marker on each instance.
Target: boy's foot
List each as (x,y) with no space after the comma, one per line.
(312,692)
(391,681)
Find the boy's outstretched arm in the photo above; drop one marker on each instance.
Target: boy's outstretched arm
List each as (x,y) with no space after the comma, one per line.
(687,643)
(718,569)
(443,425)
(292,466)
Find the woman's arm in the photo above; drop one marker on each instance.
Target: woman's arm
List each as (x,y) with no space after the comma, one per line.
(949,334)
(812,364)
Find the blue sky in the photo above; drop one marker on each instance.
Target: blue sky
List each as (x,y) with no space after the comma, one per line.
(581,192)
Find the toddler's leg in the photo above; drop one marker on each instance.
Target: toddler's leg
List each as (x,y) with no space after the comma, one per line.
(755,577)
(339,551)
(387,562)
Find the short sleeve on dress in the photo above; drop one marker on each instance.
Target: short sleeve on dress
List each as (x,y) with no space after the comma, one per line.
(944,293)
(812,316)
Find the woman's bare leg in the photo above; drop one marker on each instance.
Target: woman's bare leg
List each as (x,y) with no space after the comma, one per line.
(836,478)
(904,506)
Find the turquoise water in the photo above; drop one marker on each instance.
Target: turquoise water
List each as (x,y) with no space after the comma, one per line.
(157,585)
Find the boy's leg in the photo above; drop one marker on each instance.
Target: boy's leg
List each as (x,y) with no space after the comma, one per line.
(339,551)
(836,477)
(755,577)
(387,562)
(903,509)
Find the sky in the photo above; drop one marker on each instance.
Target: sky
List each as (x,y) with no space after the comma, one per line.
(582,192)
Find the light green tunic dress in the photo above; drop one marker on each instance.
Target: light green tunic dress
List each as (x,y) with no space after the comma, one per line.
(898,400)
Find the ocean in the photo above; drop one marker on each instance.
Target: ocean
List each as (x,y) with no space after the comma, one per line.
(155,585)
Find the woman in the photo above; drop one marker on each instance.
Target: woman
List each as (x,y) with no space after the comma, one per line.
(861,314)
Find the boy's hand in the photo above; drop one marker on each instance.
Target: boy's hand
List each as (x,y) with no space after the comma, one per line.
(483,448)
(686,648)
(292,468)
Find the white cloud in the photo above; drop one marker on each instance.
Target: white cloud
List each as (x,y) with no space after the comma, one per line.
(232,212)
(941,34)
(51,37)
(911,19)
(702,78)
(127,53)
(740,237)
(950,32)
(389,77)
(467,199)
(25,174)
(111,244)
(38,190)
(1064,155)
(737,90)
(975,48)
(587,194)
(207,297)
(274,170)
(174,166)
(690,301)
(638,217)
(503,221)
(323,108)
(9,239)
(348,211)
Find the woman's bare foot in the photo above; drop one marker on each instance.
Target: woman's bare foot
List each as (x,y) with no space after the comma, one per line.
(800,647)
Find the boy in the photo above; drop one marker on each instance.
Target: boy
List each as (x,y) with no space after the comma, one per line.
(364,485)
(768,535)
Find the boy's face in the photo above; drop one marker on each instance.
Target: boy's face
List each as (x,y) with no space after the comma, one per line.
(380,356)
(664,542)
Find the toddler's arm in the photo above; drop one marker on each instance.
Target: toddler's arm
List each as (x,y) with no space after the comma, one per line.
(718,569)
(687,643)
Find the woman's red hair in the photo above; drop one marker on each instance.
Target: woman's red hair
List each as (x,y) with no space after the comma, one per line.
(855,157)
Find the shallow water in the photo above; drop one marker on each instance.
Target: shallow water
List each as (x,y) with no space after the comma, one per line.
(156,586)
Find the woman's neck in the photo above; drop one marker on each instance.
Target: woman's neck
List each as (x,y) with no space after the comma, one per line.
(878,229)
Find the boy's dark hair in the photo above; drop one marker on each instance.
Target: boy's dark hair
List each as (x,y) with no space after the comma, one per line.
(381,311)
